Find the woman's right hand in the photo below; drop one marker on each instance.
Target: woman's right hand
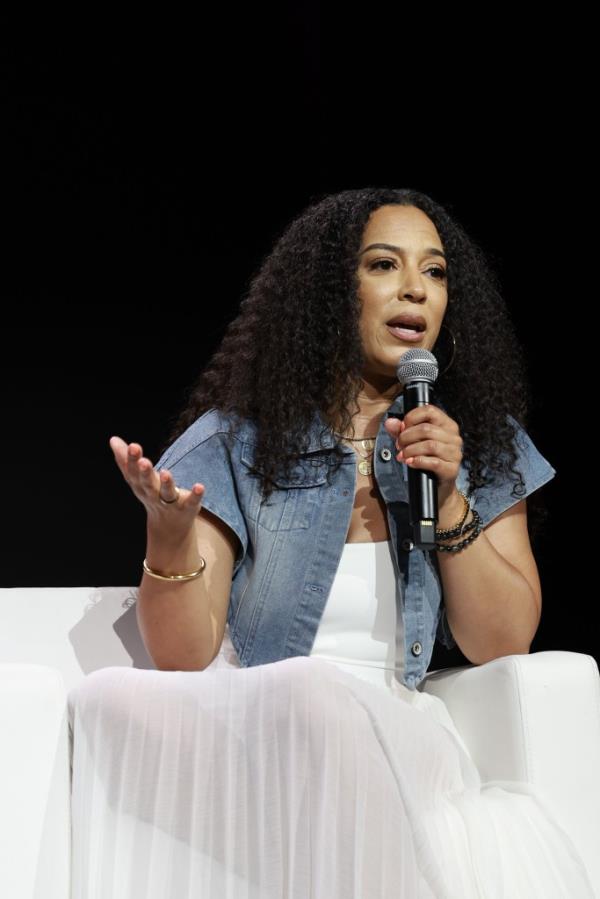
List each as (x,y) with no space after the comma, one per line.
(149,487)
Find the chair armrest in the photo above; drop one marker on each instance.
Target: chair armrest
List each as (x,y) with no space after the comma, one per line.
(35,784)
(535,718)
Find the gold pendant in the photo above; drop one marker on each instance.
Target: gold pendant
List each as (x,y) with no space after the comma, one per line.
(368,443)
(364,467)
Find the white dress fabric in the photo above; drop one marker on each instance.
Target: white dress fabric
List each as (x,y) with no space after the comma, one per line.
(316,777)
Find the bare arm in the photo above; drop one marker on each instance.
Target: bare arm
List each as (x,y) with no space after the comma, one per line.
(182,624)
(492,589)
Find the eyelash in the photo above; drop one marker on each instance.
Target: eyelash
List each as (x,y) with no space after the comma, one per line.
(436,268)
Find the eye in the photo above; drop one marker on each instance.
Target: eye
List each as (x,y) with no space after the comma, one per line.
(440,272)
(381,262)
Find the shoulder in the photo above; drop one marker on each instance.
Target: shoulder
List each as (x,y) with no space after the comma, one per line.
(213,426)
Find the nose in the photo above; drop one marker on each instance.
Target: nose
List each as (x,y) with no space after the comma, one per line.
(412,285)
(415,293)
(412,289)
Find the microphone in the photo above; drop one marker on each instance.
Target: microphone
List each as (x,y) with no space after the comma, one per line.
(417,370)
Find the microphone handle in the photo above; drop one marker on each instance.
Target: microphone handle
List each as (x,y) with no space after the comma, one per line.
(422,485)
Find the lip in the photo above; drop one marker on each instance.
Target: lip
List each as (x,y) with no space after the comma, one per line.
(408,317)
(405,334)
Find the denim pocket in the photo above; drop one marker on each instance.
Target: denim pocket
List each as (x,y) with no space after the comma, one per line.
(294,501)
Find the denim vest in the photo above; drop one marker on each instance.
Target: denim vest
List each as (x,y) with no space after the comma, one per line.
(291,545)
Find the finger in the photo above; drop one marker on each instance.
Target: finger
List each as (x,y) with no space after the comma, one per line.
(120,452)
(418,414)
(135,467)
(119,448)
(195,496)
(145,467)
(393,426)
(145,481)
(422,435)
(427,432)
(127,455)
(134,454)
(166,488)
(432,463)
(140,469)
(169,492)
(434,417)
(431,448)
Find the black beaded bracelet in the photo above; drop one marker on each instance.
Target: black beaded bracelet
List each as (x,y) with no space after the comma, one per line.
(459,530)
(474,525)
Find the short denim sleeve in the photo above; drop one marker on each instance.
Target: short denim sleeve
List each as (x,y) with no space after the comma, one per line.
(202,455)
(492,500)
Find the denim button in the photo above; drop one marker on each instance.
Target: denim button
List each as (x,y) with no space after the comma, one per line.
(416,648)
(407,544)
(385,454)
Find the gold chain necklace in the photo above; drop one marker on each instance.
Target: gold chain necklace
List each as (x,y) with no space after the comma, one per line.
(365,466)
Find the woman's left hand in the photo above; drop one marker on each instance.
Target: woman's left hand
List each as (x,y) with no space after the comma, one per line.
(429,439)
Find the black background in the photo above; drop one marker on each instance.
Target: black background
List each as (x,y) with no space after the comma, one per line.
(148,172)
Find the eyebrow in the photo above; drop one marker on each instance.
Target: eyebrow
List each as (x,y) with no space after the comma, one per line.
(430,251)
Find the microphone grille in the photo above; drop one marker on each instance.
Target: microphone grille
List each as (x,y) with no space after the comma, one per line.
(417,364)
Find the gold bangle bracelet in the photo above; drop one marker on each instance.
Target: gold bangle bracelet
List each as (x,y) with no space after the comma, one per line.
(448,532)
(175,577)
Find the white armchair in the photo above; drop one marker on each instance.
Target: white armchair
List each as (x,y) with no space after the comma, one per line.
(533,718)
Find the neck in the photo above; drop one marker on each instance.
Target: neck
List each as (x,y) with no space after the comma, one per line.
(374,399)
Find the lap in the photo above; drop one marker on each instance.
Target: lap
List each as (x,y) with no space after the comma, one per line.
(301,698)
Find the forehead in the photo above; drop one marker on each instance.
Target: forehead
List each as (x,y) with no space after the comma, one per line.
(394,224)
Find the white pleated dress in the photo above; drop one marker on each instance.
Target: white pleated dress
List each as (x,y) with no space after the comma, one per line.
(316,777)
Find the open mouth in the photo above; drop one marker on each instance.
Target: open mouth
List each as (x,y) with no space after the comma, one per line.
(407,326)
(408,322)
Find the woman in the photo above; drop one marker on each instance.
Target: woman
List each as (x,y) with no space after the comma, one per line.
(281,747)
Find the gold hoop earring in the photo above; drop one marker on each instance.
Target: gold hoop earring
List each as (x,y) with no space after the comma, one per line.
(452,354)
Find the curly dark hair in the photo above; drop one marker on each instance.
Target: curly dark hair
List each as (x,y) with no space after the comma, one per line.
(294,348)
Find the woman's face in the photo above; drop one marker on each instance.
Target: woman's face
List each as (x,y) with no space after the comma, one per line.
(407,276)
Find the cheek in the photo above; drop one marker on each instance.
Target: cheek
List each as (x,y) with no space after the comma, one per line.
(368,329)
(370,317)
